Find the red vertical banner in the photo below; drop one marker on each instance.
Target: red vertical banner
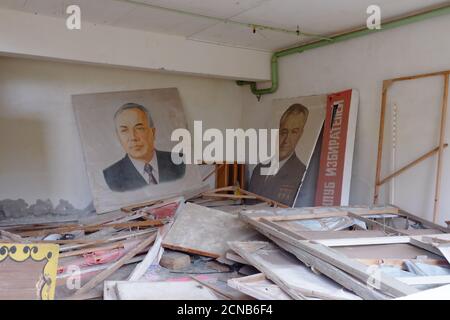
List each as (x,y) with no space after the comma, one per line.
(332,160)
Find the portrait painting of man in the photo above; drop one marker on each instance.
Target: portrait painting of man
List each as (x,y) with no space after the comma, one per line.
(126,140)
(142,165)
(299,127)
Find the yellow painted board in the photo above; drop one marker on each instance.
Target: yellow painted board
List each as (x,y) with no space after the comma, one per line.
(28,271)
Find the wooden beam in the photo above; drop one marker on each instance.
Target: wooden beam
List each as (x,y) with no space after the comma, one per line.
(425,280)
(358,270)
(140,205)
(382,227)
(410,165)
(227,196)
(421,76)
(386,85)
(422,221)
(115,266)
(441,150)
(263,199)
(137,224)
(216,168)
(331,214)
(330,271)
(363,241)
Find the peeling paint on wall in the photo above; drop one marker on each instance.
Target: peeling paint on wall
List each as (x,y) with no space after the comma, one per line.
(10,209)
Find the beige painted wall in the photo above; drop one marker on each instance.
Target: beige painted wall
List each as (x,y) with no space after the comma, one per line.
(363,64)
(41,154)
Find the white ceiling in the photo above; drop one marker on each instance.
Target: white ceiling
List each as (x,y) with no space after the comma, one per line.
(312,16)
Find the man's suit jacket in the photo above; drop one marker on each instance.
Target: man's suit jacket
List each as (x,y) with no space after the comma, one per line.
(123,176)
(283,186)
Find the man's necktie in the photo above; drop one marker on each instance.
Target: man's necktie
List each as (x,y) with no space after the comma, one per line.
(149,170)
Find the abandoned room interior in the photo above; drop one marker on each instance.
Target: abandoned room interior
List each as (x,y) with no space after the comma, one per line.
(224,150)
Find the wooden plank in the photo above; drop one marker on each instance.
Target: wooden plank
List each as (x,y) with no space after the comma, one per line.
(211,173)
(28,271)
(426,246)
(400,262)
(410,165)
(441,150)
(362,241)
(287,272)
(283,229)
(125,225)
(61,279)
(311,216)
(235,173)
(340,277)
(163,290)
(154,254)
(440,293)
(92,295)
(445,251)
(206,231)
(119,244)
(109,291)
(381,226)
(356,269)
(220,293)
(332,214)
(227,196)
(235,257)
(385,251)
(140,205)
(264,199)
(191,250)
(152,257)
(422,221)
(9,236)
(386,85)
(425,280)
(421,76)
(129,235)
(344,234)
(119,263)
(258,287)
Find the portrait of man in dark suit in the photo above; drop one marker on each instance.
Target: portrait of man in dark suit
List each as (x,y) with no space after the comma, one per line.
(283,186)
(142,165)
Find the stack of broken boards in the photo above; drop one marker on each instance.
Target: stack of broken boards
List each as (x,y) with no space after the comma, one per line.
(343,253)
(170,249)
(119,255)
(196,231)
(79,256)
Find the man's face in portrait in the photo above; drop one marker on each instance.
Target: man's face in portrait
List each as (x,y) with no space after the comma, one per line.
(135,134)
(291,130)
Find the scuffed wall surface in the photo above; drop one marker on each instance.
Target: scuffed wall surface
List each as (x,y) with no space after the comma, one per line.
(20,208)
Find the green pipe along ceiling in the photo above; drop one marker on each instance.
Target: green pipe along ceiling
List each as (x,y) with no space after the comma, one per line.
(335,39)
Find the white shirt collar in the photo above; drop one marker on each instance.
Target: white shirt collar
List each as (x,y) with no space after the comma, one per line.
(140,165)
(285,160)
(280,165)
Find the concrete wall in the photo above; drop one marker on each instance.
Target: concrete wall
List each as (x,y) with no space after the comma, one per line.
(363,64)
(41,154)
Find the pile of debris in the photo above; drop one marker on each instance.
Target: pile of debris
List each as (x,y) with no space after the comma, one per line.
(214,247)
